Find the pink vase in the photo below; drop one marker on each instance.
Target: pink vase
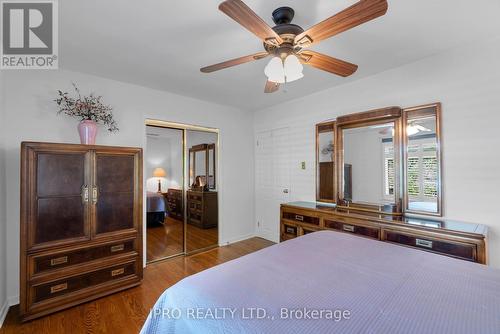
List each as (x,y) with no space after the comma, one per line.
(88,131)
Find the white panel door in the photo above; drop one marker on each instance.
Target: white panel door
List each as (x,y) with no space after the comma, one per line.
(272,178)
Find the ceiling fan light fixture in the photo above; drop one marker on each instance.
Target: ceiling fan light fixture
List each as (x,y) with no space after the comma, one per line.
(275,71)
(293,68)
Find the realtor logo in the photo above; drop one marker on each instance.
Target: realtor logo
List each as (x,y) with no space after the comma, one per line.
(29,35)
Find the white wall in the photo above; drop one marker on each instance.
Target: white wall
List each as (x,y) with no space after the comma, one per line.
(164,152)
(466,80)
(3,258)
(30,115)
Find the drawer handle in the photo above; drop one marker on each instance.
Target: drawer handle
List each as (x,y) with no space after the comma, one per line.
(299,217)
(58,287)
(290,230)
(117,248)
(423,243)
(59,260)
(348,228)
(117,272)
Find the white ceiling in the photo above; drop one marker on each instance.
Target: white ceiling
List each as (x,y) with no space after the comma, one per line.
(162,44)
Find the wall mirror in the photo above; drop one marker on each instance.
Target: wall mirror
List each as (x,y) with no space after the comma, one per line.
(369,152)
(422,160)
(325,162)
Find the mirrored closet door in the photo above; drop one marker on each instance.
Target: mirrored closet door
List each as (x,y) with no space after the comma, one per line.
(164,197)
(202,197)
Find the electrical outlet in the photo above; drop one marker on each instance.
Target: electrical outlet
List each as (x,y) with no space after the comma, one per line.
(303,165)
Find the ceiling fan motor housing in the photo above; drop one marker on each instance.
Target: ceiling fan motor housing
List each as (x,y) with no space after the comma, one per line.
(282,16)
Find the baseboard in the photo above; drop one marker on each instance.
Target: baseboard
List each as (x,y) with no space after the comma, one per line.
(13,300)
(3,312)
(268,236)
(237,239)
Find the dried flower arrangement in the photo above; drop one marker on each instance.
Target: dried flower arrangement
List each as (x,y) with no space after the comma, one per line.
(90,108)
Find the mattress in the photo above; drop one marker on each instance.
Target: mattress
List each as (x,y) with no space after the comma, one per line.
(155,202)
(330,282)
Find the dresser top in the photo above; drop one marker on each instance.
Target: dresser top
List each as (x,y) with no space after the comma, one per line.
(445,224)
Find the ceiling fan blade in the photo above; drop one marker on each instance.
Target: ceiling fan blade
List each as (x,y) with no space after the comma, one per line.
(327,63)
(271,87)
(359,13)
(234,62)
(241,13)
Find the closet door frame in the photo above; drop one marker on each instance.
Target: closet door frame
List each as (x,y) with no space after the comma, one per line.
(185,184)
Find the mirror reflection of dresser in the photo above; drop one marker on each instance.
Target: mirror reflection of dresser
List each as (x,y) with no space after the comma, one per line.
(202,202)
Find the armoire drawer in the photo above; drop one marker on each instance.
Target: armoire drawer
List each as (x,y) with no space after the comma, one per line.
(365,231)
(78,256)
(67,286)
(300,218)
(456,249)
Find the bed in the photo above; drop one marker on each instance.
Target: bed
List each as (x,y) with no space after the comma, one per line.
(373,287)
(155,208)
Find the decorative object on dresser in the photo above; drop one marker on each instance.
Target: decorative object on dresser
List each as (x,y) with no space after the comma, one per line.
(202,208)
(456,239)
(175,209)
(81,224)
(90,110)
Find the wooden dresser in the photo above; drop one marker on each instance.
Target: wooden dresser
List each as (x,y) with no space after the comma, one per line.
(202,208)
(175,209)
(456,239)
(81,224)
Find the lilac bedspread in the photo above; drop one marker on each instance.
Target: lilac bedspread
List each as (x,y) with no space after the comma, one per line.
(155,202)
(376,287)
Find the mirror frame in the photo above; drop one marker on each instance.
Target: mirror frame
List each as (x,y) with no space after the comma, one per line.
(198,148)
(422,109)
(326,127)
(373,117)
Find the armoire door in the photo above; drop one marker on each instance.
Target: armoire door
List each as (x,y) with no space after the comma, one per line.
(58,196)
(115,193)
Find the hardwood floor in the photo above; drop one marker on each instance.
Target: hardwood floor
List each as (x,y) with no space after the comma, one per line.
(164,240)
(167,239)
(125,312)
(199,238)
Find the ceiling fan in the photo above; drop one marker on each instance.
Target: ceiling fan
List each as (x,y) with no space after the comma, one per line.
(287,42)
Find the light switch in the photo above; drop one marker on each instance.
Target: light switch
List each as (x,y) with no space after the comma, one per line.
(303,165)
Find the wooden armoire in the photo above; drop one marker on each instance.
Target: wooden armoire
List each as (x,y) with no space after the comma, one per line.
(81,224)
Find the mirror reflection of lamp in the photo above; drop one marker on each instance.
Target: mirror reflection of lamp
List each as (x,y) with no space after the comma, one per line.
(159,173)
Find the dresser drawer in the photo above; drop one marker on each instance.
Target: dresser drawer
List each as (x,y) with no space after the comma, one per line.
(194,197)
(67,286)
(195,205)
(290,231)
(455,249)
(44,263)
(301,218)
(365,231)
